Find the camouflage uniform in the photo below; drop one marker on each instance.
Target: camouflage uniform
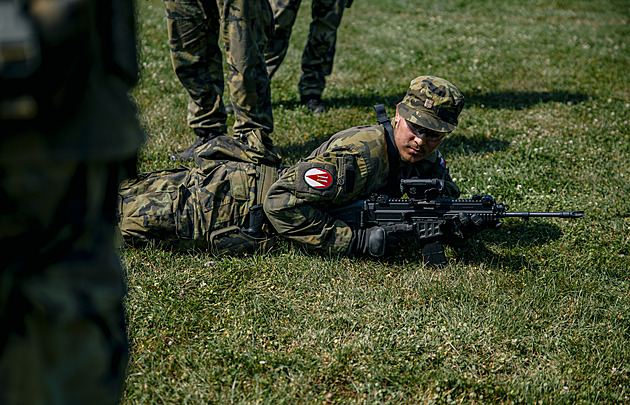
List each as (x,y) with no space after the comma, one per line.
(202,207)
(185,207)
(319,52)
(355,163)
(350,166)
(194,30)
(69,132)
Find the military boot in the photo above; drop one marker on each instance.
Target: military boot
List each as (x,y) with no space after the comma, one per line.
(203,136)
(313,104)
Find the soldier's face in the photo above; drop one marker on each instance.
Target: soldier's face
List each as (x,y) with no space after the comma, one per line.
(413,141)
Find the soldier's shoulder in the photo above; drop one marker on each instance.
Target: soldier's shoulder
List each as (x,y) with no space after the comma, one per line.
(360,136)
(367,141)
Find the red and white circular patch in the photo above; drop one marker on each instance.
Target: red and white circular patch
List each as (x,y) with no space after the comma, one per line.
(318,178)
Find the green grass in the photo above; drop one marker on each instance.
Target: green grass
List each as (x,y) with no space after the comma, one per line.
(535,312)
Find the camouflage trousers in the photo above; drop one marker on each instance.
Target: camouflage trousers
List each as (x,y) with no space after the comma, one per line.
(319,52)
(63,338)
(195,28)
(203,207)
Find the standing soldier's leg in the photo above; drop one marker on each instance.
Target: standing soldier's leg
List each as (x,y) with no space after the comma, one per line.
(193,31)
(247,24)
(319,52)
(284,13)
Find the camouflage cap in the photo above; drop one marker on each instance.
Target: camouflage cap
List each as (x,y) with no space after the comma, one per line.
(433,103)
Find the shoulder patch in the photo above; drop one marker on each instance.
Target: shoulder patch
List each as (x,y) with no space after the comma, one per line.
(318,178)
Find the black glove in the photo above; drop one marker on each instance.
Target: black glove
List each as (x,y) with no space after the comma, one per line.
(467,225)
(373,241)
(370,241)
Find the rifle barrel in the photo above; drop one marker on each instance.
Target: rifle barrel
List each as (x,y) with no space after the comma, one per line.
(561,214)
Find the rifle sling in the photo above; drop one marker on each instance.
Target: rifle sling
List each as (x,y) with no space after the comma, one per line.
(392,150)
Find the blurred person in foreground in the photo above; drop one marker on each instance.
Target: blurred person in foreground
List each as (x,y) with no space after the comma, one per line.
(69,135)
(231,202)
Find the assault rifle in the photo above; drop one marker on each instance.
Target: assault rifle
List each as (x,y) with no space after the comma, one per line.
(422,215)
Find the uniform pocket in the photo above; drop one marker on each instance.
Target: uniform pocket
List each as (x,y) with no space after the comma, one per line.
(240,183)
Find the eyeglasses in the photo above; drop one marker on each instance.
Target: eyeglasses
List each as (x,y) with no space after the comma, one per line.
(429,135)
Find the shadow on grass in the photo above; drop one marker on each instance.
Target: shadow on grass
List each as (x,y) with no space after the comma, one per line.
(367,101)
(511,237)
(517,100)
(476,252)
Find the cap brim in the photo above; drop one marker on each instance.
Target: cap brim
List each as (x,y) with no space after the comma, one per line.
(425,118)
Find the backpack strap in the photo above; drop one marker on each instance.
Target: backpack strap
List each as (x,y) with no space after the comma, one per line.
(392,151)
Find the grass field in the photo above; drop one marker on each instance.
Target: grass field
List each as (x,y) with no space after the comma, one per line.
(535,312)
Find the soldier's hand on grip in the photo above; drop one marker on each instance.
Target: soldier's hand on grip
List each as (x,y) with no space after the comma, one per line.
(370,241)
(467,225)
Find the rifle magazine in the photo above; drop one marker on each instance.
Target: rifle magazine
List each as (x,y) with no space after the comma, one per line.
(433,253)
